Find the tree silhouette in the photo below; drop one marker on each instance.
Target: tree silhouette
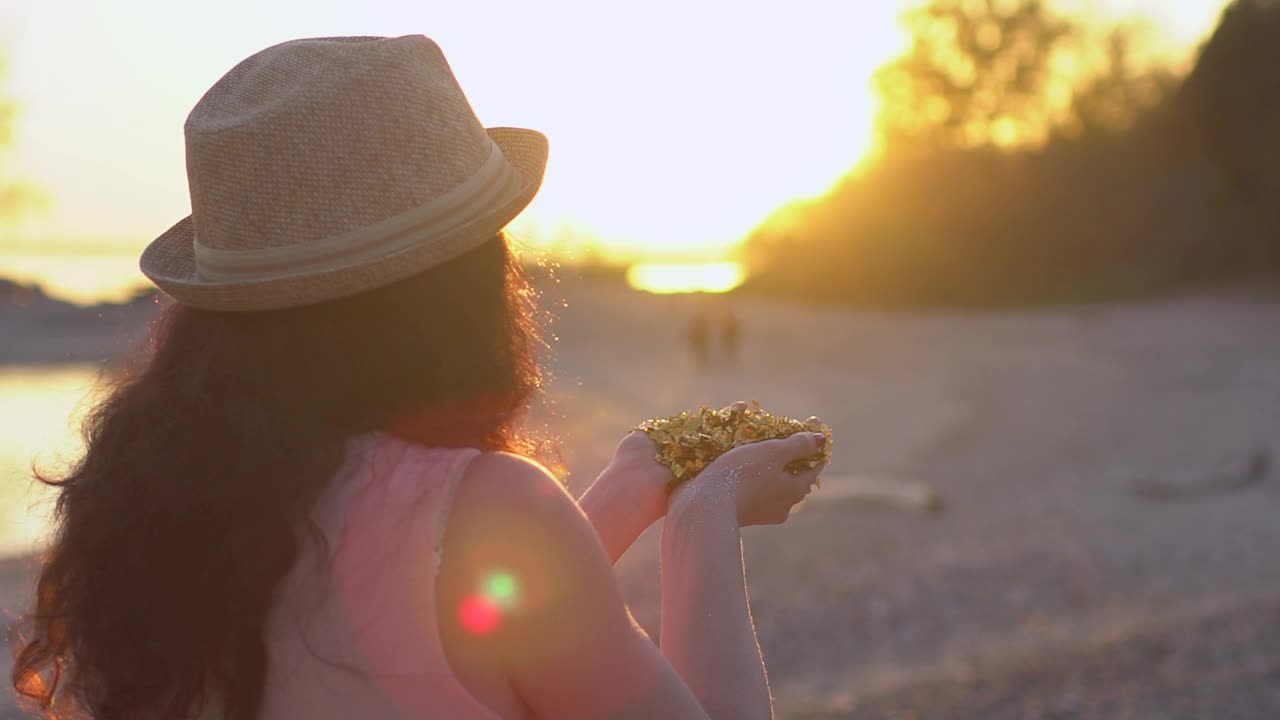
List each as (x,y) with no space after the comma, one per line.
(1010,72)
(1116,93)
(978,72)
(1233,99)
(1030,156)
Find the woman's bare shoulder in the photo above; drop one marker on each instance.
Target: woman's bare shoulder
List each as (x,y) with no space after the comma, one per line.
(508,504)
(520,494)
(556,627)
(517,474)
(513,520)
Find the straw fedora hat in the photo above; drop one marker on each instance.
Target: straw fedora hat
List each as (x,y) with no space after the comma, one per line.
(325,167)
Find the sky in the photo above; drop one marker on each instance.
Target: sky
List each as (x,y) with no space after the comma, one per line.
(675,126)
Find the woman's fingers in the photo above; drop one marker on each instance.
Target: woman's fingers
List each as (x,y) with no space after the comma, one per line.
(798,446)
(784,451)
(637,439)
(803,445)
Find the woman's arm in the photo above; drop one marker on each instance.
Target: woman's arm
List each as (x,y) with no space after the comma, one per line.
(628,496)
(567,644)
(707,630)
(613,507)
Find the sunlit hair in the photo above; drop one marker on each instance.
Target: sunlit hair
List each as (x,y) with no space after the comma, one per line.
(174,529)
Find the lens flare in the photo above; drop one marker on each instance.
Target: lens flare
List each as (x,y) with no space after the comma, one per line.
(481,612)
(479,615)
(500,588)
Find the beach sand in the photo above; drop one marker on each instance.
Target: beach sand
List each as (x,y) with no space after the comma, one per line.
(1051,584)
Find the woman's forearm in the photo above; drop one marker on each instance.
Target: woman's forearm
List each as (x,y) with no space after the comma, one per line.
(615,514)
(707,631)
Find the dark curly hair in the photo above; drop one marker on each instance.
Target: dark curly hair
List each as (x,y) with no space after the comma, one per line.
(203,461)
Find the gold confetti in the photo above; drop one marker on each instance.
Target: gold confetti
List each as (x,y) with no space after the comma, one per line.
(691,440)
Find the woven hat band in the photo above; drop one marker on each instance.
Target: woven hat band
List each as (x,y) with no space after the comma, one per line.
(493,184)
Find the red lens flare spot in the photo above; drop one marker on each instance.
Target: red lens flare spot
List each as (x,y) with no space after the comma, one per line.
(479,615)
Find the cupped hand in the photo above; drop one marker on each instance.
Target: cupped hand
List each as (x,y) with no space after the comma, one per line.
(754,480)
(647,481)
(635,467)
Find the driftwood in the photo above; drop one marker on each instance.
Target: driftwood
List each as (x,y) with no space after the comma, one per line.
(1233,475)
(879,490)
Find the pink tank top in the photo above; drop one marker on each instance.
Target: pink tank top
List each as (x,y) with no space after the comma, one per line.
(354,632)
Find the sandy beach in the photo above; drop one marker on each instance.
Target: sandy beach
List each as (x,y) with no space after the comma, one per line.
(1106,546)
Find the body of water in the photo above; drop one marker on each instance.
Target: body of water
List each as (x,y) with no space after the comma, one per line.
(40,410)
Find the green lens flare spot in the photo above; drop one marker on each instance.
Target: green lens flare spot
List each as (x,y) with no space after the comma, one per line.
(502,589)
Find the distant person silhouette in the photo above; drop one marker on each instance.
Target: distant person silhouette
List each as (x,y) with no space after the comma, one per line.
(730,337)
(700,340)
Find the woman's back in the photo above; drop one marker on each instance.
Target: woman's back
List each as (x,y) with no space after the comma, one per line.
(354,632)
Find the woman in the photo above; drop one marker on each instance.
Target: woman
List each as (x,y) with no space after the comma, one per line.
(313,501)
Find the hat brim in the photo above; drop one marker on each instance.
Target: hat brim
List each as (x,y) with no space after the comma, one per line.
(169,261)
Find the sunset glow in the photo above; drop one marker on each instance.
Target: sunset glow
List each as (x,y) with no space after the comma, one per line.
(83,278)
(668,138)
(666,278)
(41,409)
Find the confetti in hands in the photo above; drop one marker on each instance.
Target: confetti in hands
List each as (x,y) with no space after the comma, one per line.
(689,441)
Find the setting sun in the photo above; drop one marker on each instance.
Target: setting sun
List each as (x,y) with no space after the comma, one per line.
(665,278)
